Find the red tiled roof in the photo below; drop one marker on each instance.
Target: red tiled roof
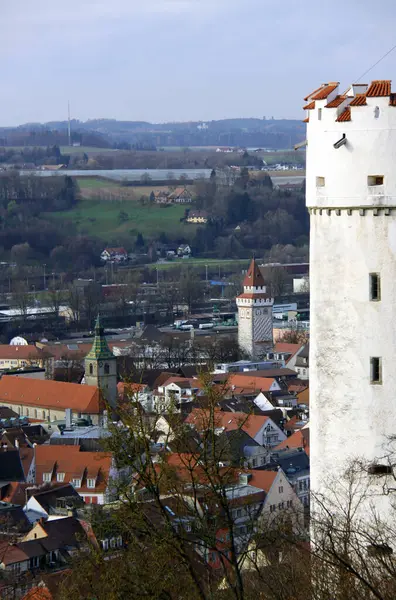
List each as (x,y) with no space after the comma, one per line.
(116,250)
(345,115)
(284,347)
(359,100)
(309,106)
(312,93)
(253,277)
(259,384)
(75,465)
(50,394)
(261,479)
(306,120)
(379,87)
(336,102)
(298,439)
(10,554)
(22,352)
(325,91)
(250,424)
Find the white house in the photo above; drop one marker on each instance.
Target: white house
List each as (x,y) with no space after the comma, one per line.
(114,255)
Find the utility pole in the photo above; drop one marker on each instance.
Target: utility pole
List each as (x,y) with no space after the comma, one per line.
(45,279)
(68,123)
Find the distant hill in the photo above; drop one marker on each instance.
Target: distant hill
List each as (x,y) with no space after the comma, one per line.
(108,133)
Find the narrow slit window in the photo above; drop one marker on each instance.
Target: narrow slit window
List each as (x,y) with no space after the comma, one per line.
(375,180)
(319,114)
(320,182)
(375,287)
(375,370)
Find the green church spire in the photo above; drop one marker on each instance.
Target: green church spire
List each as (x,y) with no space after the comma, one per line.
(100,349)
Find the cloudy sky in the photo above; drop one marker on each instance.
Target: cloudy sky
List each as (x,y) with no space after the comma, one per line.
(164,60)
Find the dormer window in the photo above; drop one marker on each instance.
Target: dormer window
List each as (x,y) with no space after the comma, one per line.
(91,482)
(60,477)
(47,477)
(76,483)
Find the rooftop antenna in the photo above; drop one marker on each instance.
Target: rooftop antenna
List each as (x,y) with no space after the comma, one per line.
(68,123)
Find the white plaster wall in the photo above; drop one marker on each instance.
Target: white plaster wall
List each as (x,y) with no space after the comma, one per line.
(370,150)
(350,417)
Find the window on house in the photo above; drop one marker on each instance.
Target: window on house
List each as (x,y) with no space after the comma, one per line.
(47,477)
(272,508)
(35,413)
(320,182)
(105,544)
(375,180)
(60,477)
(43,414)
(239,512)
(34,562)
(119,541)
(76,483)
(319,114)
(91,482)
(281,489)
(113,542)
(91,369)
(107,369)
(375,370)
(375,287)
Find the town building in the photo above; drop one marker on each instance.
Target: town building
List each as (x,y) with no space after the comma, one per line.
(197,217)
(48,400)
(254,314)
(180,195)
(101,366)
(351,192)
(26,355)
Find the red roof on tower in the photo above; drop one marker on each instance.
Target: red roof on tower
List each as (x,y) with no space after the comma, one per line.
(253,276)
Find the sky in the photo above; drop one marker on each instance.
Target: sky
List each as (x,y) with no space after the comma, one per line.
(180,60)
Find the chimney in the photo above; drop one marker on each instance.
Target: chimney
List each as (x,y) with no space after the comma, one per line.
(68,415)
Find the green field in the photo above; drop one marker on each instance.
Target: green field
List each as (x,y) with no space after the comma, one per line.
(89,183)
(100,218)
(200,262)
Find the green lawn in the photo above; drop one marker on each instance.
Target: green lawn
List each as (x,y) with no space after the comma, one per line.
(101,218)
(94,182)
(199,262)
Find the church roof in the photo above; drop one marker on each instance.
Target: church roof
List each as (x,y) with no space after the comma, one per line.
(100,349)
(253,276)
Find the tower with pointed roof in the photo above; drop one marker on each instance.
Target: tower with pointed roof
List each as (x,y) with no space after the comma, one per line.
(101,366)
(254,313)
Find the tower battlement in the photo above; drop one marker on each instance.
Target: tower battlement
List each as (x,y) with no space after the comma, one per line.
(351,142)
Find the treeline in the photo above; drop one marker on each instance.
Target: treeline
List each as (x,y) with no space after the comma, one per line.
(250,217)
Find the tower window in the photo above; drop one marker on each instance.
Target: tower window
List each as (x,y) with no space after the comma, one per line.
(107,368)
(375,180)
(375,369)
(319,114)
(320,182)
(90,369)
(375,287)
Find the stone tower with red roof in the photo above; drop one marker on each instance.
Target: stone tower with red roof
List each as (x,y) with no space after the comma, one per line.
(254,313)
(101,366)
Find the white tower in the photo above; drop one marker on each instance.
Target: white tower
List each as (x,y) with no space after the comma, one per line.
(254,314)
(351,197)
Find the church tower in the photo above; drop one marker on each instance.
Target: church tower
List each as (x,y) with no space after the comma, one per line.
(101,366)
(351,197)
(254,314)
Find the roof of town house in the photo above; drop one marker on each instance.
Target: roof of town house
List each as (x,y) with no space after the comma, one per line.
(26,455)
(336,101)
(75,465)
(261,479)
(120,250)
(268,373)
(100,349)
(10,465)
(60,533)
(14,492)
(261,384)
(286,348)
(23,352)
(294,424)
(230,421)
(253,277)
(298,439)
(130,389)
(45,393)
(183,382)
(345,115)
(11,554)
(324,91)
(47,497)
(359,100)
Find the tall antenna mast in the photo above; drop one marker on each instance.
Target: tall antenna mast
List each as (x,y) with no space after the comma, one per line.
(68,123)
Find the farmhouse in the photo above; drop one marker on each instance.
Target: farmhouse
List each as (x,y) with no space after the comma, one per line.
(180,195)
(197,216)
(114,254)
